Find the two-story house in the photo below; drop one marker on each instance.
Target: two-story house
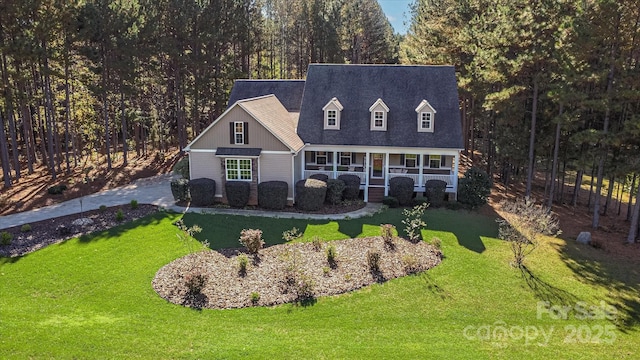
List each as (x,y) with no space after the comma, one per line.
(373,121)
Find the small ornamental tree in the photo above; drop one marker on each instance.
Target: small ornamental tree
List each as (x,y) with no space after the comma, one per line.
(252,240)
(474,188)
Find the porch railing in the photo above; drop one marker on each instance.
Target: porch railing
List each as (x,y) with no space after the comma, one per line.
(362,175)
(329,173)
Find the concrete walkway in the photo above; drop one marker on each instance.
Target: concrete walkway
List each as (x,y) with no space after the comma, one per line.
(155,190)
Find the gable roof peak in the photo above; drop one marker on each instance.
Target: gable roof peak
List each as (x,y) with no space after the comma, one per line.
(334,101)
(423,104)
(381,103)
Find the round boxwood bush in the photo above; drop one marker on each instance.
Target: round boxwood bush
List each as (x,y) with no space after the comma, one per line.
(273,194)
(237,193)
(401,188)
(474,187)
(202,192)
(310,194)
(335,187)
(321,177)
(352,186)
(435,190)
(180,189)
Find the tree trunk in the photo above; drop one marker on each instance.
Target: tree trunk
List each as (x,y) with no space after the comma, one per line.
(633,185)
(8,90)
(27,120)
(633,228)
(612,184)
(48,112)
(554,165)
(576,188)
(532,137)
(125,149)
(67,106)
(4,154)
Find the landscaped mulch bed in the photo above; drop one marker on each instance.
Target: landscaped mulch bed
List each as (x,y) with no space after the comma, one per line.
(279,272)
(47,232)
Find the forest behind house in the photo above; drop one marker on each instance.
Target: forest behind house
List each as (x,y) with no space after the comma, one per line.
(549,88)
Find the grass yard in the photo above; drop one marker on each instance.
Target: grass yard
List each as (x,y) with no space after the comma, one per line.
(92,298)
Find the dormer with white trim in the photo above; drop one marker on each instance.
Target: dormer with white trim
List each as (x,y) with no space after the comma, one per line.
(379,111)
(426,116)
(332,113)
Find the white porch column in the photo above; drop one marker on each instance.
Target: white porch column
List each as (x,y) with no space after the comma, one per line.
(421,170)
(303,166)
(385,172)
(366,176)
(455,174)
(335,166)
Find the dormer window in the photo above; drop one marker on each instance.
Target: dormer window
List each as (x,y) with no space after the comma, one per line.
(332,114)
(379,112)
(426,116)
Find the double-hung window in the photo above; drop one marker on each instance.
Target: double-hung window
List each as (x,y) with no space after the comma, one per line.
(238,169)
(434,161)
(239,132)
(332,118)
(345,158)
(410,160)
(321,157)
(425,121)
(378,119)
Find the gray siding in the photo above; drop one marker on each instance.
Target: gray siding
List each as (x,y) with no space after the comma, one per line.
(206,165)
(276,167)
(218,135)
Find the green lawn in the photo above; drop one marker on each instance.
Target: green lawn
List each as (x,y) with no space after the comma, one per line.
(92,298)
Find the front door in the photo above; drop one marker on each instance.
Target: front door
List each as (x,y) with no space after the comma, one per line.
(377,166)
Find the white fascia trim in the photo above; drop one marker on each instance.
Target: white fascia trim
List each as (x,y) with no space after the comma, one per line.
(424,103)
(382,149)
(203,150)
(379,102)
(335,102)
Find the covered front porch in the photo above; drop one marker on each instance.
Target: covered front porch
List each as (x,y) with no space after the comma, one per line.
(375,167)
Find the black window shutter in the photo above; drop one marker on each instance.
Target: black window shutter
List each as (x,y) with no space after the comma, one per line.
(443,160)
(418,160)
(246,132)
(329,157)
(232,139)
(353,157)
(313,157)
(401,159)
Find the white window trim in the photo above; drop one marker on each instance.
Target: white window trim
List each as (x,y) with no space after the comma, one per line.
(429,157)
(429,121)
(236,132)
(378,107)
(333,105)
(239,170)
(325,156)
(426,108)
(343,156)
(413,157)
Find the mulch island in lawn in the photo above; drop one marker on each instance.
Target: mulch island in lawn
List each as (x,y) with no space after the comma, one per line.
(294,272)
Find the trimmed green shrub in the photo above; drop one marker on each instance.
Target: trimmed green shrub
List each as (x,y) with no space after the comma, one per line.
(119,215)
(202,192)
(273,194)
(401,188)
(321,177)
(310,194)
(335,187)
(25,228)
(103,208)
(255,297)
(182,168)
(390,201)
(5,238)
(180,189)
(134,204)
(243,264)
(352,186)
(57,189)
(435,190)
(237,193)
(474,188)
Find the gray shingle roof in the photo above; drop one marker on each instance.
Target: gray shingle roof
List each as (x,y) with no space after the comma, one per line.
(288,92)
(401,87)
